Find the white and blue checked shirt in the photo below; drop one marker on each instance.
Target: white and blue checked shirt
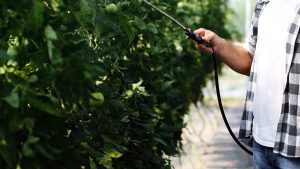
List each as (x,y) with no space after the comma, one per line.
(287,141)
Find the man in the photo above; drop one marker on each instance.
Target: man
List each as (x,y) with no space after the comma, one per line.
(271,58)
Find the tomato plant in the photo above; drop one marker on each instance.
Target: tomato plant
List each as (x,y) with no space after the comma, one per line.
(98,84)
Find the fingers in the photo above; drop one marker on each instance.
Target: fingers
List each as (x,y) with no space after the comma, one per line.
(203,48)
(200,31)
(203,33)
(206,35)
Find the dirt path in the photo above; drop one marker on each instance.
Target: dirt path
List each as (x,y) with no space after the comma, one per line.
(213,148)
(222,152)
(206,142)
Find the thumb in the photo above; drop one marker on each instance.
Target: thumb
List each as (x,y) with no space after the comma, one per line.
(200,31)
(209,35)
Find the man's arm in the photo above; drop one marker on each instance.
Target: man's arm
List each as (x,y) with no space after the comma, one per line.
(236,57)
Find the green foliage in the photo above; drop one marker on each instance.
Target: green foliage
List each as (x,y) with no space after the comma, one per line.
(82,87)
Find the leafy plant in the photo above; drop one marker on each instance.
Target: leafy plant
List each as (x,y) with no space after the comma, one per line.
(98,84)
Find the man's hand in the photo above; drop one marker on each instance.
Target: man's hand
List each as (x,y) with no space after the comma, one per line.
(236,57)
(207,36)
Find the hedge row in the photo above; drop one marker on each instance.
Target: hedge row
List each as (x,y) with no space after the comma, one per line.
(98,83)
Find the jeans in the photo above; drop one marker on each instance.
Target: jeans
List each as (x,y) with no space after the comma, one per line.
(264,158)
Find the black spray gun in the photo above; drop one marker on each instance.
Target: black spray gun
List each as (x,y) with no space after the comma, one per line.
(190,33)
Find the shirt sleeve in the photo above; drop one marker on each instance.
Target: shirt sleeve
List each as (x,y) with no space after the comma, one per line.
(250,44)
(251,40)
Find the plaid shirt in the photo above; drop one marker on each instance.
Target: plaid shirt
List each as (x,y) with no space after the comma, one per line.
(287,141)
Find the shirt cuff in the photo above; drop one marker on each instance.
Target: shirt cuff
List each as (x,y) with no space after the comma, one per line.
(250,49)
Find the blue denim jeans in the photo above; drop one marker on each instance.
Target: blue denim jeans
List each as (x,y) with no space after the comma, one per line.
(264,158)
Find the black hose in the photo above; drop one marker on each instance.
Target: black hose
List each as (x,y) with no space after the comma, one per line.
(222,109)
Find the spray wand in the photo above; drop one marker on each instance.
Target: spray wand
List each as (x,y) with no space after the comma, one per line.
(190,33)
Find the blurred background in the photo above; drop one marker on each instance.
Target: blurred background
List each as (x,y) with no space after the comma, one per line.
(206,142)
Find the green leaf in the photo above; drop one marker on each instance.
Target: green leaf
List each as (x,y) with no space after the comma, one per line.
(4,56)
(106,161)
(136,85)
(9,153)
(90,150)
(13,100)
(54,57)
(128,94)
(167,84)
(43,151)
(92,164)
(27,150)
(87,12)
(11,51)
(112,153)
(158,140)
(56,4)
(46,107)
(33,79)
(35,16)
(97,96)
(50,33)
(32,139)
(128,30)
(140,23)
(29,123)
(152,28)
(96,99)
